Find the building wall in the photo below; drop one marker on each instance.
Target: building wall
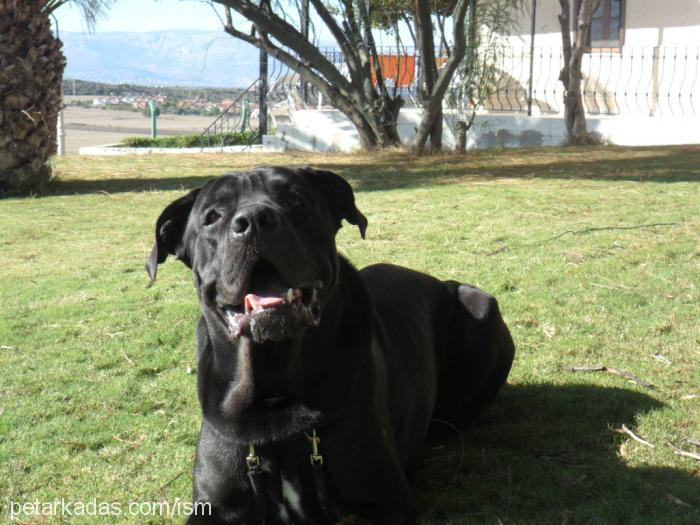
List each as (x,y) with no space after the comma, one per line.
(655,73)
(647,23)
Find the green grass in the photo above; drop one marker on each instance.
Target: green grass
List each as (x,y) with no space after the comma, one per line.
(236,138)
(96,400)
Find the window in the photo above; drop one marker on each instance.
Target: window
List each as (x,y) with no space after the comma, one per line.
(607,24)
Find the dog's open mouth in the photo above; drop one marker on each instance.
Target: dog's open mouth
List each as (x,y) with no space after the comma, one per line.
(271,310)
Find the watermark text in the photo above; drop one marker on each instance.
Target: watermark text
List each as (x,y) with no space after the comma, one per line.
(62,507)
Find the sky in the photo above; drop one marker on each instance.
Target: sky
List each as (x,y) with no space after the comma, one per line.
(144,15)
(161,15)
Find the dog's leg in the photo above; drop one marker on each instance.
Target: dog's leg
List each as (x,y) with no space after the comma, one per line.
(374,488)
(478,358)
(221,486)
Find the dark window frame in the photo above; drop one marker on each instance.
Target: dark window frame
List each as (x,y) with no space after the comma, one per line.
(605,44)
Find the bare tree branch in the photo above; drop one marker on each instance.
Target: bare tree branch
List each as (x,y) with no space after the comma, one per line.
(271,24)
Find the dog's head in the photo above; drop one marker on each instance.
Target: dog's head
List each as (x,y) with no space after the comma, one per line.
(261,246)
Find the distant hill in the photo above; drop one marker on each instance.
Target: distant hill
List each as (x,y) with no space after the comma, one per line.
(179,57)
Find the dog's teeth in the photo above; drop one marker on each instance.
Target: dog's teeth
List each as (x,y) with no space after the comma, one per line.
(237,323)
(292,294)
(230,317)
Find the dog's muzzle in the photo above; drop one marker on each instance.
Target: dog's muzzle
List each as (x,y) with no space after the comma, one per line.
(275,315)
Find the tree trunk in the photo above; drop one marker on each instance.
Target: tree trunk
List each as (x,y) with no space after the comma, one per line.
(428,70)
(461,130)
(369,107)
(31,71)
(571,75)
(434,83)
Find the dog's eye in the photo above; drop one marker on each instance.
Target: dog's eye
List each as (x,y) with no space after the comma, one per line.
(296,201)
(211,217)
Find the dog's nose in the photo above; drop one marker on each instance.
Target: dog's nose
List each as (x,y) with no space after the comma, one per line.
(255,218)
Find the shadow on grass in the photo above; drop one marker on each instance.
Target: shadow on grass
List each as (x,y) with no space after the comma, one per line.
(547,454)
(72,187)
(676,165)
(394,170)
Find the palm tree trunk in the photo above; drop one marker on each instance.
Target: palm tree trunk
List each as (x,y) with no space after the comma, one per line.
(31,72)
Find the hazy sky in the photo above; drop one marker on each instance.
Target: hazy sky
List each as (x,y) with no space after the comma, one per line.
(160,15)
(144,15)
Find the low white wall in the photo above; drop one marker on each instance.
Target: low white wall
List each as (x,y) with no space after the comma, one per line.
(110,150)
(330,130)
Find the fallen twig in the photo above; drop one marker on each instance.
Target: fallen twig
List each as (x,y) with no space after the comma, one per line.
(579,232)
(661,358)
(694,442)
(681,452)
(613,283)
(624,430)
(171,481)
(127,357)
(498,250)
(629,376)
(130,443)
(612,287)
(623,373)
(605,228)
(678,501)
(586,369)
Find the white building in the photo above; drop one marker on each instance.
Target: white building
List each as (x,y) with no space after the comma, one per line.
(641,83)
(643,60)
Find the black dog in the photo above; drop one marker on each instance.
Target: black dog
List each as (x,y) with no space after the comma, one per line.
(294,344)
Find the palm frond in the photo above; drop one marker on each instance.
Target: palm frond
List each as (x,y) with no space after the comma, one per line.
(92,9)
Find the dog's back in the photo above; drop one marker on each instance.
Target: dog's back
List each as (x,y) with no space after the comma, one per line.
(449,349)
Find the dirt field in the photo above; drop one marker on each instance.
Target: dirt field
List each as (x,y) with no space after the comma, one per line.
(95,127)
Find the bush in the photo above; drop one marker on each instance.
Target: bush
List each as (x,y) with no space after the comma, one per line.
(237,138)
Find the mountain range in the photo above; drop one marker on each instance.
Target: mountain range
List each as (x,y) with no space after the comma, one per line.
(176,57)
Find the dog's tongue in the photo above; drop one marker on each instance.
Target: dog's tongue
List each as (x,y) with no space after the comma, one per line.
(253,301)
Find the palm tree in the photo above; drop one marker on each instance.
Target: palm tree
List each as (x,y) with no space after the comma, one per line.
(31,73)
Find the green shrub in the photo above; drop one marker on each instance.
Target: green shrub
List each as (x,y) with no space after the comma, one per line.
(193,140)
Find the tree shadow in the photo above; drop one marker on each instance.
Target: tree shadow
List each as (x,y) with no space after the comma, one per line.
(547,454)
(675,164)
(72,187)
(402,170)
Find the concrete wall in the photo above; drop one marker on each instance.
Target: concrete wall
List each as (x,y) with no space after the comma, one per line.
(328,131)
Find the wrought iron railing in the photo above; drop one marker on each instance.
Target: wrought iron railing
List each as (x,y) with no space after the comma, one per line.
(635,81)
(639,81)
(240,116)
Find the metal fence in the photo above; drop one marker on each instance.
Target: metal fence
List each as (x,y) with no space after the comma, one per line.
(400,67)
(240,116)
(638,81)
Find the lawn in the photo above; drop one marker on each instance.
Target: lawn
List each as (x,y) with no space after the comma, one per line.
(593,254)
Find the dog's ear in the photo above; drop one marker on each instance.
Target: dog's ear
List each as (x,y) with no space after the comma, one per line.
(339,195)
(170,228)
